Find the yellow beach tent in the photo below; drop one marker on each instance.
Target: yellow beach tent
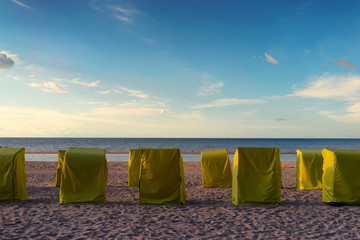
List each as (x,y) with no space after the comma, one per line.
(161,177)
(61,158)
(309,166)
(341,178)
(134,168)
(256,176)
(216,170)
(84,176)
(12,175)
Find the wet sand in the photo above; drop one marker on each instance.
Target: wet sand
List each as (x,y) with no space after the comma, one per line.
(208,213)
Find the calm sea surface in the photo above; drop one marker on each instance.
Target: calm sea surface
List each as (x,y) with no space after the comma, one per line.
(185,145)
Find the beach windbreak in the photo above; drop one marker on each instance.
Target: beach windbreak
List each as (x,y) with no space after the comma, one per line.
(61,159)
(309,170)
(256,176)
(162,177)
(12,175)
(341,178)
(84,176)
(215,168)
(134,168)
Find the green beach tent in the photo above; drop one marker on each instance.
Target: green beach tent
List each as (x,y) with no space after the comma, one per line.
(309,170)
(216,170)
(341,178)
(161,177)
(84,176)
(61,158)
(256,176)
(134,168)
(12,175)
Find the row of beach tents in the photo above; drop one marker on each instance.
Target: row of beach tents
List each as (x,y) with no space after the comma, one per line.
(255,177)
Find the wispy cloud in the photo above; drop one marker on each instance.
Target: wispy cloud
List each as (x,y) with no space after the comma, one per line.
(345,64)
(5,61)
(122,18)
(131,92)
(130,109)
(270,59)
(92,84)
(332,86)
(195,115)
(307,51)
(104,92)
(127,12)
(352,115)
(210,85)
(97,103)
(122,13)
(228,102)
(47,87)
(20,121)
(21,4)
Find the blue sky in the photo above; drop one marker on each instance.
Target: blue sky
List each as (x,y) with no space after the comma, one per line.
(192,68)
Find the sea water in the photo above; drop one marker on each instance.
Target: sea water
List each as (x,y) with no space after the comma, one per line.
(184,144)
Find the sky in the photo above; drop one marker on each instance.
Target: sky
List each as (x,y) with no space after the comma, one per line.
(190,68)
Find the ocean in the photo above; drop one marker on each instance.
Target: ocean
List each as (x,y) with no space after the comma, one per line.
(184,144)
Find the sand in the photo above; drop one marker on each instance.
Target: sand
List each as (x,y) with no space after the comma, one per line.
(208,213)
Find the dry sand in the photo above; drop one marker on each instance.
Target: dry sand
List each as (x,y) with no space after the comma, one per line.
(208,213)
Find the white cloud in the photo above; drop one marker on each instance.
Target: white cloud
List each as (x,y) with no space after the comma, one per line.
(345,64)
(209,88)
(21,4)
(13,56)
(123,14)
(122,18)
(92,84)
(29,122)
(228,102)
(47,87)
(195,115)
(307,51)
(129,109)
(5,61)
(127,12)
(210,85)
(130,92)
(270,59)
(338,87)
(104,92)
(97,103)
(352,115)
(111,7)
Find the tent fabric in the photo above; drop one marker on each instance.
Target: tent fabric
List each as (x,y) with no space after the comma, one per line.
(61,158)
(256,176)
(134,168)
(216,170)
(162,177)
(84,176)
(309,170)
(341,178)
(12,175)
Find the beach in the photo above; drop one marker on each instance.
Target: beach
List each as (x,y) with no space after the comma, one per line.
(208,213)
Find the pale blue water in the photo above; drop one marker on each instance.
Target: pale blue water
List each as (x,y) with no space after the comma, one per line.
(185,145)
